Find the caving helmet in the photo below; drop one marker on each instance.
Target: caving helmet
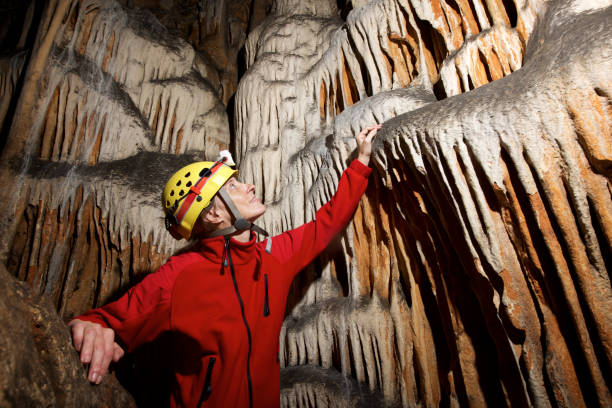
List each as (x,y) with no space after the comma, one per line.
(191,189)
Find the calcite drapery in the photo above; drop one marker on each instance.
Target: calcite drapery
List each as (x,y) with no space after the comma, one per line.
(475,270)
(122,104)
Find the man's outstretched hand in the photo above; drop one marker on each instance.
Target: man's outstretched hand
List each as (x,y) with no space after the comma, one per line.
(97,347)
(364,143)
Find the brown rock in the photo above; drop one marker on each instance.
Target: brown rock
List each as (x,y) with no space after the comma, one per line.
(39,364)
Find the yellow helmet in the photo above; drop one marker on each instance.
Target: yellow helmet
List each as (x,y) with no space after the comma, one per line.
(189,191)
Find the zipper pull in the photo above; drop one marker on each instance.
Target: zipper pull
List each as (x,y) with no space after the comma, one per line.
(207,388)
(224,256)
(226,252)
(266,303)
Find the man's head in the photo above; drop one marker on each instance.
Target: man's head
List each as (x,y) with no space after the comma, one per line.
(218,216)
(206,197)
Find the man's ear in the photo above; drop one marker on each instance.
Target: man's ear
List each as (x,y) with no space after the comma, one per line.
(213,215)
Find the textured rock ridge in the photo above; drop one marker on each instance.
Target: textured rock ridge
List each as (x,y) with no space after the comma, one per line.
(310,385)
(216,29)
(383,45)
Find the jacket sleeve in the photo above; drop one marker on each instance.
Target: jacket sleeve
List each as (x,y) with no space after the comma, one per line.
(301,245)
(143,313)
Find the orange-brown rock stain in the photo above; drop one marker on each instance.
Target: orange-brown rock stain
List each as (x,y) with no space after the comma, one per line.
(350,92)
(339,98)
(455,24)
(323,101)
(94,156)
(469,20)
(89,16)
(592,126)
(155,119)
(50,126)
(399,65)
(179,140)
(109,52)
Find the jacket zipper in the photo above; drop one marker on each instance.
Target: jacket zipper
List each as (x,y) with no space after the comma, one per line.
(266,304)
(207,389)
(246,324)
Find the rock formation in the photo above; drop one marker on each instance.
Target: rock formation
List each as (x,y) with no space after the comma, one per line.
(40,368)
(476,269)
(483,236)
(88,150)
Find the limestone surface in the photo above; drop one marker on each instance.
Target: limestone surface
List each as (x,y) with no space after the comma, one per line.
(111,104)
(476,271)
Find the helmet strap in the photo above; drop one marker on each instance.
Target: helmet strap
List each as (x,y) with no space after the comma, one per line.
(240,223)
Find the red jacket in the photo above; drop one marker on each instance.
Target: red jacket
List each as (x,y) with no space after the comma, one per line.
(224,305)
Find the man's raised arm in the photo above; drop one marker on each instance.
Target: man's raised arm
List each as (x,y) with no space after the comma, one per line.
(301,245)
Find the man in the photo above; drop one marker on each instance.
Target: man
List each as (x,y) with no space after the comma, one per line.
(223,304)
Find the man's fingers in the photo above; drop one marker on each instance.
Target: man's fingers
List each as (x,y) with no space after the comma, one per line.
(97,347)
(109,346)
(371,135)
(117,352)
(102,355)
(364,132)
(96,359)
(96,368)
(87,347)
(77,334)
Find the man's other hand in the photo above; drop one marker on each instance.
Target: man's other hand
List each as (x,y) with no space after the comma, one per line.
(364,143)
(97,347)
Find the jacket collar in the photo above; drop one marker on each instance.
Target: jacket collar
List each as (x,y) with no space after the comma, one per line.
(241,252)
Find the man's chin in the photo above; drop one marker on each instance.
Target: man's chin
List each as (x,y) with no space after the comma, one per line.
(263,210)
(259,214)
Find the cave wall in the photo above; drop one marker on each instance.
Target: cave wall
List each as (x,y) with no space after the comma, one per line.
(109,99)
(476,269)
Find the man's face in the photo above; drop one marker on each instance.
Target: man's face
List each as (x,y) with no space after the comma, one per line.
(243,196)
